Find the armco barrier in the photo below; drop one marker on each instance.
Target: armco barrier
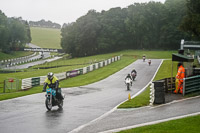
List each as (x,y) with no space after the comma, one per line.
(113,59)
(72,73)
(61,76)
(88,69)
(91,68)
(84,70)
(105,62)
(80,71)
(26,83)
(94,67)
(191,84)
(42,79)
(35,81)
(30,82)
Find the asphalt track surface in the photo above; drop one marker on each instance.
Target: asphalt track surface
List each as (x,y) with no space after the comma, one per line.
(81,105)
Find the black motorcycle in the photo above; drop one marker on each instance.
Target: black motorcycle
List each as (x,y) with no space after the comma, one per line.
(133,75)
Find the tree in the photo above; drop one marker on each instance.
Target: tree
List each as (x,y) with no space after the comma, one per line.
(150,25)
(14,33)
(171,33)
(191,22)
(4,33)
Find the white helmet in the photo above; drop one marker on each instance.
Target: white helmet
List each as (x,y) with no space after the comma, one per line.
(50,76)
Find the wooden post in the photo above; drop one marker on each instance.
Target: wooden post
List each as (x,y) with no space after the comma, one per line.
(172,76)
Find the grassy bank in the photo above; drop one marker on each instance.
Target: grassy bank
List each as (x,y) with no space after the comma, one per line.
(46,37)
(184,125)
(14,54)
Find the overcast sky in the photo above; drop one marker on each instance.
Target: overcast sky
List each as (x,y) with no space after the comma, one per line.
(59,11)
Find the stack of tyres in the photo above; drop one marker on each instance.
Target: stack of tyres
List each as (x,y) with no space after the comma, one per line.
(159,92)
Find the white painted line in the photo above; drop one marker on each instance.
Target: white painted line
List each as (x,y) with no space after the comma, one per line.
(150,123)
(109,112)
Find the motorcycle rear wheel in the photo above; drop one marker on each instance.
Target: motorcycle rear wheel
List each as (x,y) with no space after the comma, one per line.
(60,105)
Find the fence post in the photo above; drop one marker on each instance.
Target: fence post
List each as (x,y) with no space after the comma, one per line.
(183,86)
(4,86)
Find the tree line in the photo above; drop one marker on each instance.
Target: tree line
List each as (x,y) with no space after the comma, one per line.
(14,33)
(45,24)
(149,26)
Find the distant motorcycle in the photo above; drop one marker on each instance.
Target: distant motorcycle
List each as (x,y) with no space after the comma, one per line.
(133,75)
(51,99)
(128,83)
(144,57)
(149,62)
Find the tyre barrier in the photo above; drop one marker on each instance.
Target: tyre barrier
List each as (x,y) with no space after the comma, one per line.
(157,92)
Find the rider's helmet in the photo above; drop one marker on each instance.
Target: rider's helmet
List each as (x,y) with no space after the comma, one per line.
(50,76)
(129,75)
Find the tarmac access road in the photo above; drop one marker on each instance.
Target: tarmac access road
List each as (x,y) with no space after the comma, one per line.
(81,105)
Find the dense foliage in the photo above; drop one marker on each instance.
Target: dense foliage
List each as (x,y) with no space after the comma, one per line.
(148,26)
(191,23)
(14,33)
(44,24)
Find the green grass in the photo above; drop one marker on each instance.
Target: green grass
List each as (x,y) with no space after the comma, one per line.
(139,101)
(184,125)
(46,37)
(14,54)
(136,54)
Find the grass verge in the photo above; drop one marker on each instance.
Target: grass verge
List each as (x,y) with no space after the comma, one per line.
(14,54)
(184,125)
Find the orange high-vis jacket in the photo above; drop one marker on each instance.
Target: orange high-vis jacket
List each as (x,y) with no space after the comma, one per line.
(181,73)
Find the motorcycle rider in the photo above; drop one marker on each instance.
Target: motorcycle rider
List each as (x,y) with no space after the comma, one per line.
(143,57)
(52,82)
(149,62)
(129,76)
(133,73)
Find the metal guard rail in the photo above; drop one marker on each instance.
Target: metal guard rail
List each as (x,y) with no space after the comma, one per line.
(191,84)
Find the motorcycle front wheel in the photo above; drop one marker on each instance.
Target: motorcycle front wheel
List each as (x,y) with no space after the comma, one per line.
(48,104)
(128,86)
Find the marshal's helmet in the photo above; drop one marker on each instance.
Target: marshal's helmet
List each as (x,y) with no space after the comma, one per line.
(50,76)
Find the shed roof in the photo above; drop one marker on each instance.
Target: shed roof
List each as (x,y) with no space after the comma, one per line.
(181,58)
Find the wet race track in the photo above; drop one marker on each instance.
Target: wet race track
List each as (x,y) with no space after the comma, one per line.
(81,105)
